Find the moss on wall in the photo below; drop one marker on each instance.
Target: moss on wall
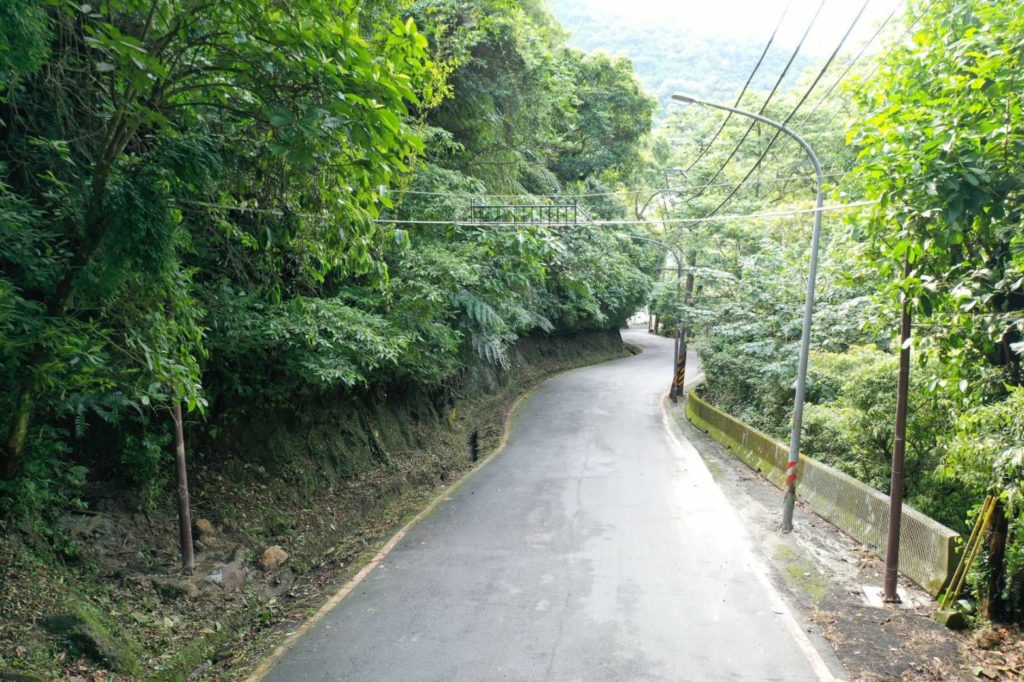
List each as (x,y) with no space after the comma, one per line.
(928,554)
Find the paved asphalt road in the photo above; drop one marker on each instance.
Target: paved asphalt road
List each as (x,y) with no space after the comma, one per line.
(595,547)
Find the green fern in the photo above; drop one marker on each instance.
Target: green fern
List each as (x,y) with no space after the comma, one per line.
(487,331)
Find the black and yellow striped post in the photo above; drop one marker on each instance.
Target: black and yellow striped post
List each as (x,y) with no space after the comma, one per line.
(678,354)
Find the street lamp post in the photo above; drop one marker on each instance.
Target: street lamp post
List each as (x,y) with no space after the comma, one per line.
(789,500)
(678,363)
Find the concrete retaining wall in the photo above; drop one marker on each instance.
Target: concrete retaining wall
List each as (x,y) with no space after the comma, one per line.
(927,548)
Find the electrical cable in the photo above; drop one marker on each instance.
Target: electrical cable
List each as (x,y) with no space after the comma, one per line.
(793,113)
(623,192)
(771,94)
(867,79)
(710,183)
(739,98)
(710,216)
(856,57)
(401,221)
(706,148)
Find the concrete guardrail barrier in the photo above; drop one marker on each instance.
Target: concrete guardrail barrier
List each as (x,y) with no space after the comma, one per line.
(928,554)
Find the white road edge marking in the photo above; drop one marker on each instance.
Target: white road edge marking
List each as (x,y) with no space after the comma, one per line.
(760,572)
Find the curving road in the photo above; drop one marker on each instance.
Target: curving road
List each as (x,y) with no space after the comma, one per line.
(595,547)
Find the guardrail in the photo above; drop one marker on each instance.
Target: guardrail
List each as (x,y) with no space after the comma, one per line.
(928,553)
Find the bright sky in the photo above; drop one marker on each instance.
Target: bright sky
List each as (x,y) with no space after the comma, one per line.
(755,19)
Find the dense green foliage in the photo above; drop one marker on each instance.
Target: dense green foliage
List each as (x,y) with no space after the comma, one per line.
(197,205)
(935,139)
(241,206)
(942,151)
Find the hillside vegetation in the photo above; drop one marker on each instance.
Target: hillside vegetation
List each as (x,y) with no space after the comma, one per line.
(197,210)
(191,206)
(929,133)
(268,216)
(671,58)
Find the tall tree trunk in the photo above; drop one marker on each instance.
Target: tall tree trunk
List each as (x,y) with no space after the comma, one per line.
(120,135)
(13,455)
(17,434)
(691,261)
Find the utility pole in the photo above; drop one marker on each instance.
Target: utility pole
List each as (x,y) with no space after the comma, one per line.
(789,499)
(684,330)
(890,594)
(678,360)
(679,356)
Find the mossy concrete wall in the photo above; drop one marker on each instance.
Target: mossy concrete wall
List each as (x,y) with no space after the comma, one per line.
(927,548)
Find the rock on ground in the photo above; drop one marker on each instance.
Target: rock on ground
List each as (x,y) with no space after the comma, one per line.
(230,576)
(205,529)
(273,557)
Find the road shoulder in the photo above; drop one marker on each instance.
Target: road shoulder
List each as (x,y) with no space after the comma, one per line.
(821,572)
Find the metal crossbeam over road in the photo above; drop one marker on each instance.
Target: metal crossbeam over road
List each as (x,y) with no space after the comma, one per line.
(525,214)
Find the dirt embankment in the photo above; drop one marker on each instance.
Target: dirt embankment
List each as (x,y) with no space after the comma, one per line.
(286,507)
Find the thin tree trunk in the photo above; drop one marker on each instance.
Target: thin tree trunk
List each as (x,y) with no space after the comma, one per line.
(184,510)
(14,444)
(899,445)
(994,604)
(13,455)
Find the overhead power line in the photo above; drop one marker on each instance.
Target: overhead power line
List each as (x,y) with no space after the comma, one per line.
(906,32)
(659,221)
(621,192)
(656,221)
(856,57)
(793,113)
(771,94)
(739,98)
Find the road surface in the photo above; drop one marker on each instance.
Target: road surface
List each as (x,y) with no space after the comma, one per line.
(595,547)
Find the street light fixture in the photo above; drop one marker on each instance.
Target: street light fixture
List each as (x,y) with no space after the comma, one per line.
(789,500)
(678,363)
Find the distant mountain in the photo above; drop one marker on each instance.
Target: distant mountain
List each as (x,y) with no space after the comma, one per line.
(671,59)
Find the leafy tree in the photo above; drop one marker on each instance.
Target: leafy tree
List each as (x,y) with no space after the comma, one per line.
(612,113)
(24,36)
(849,425)
(508,88)
(675,58)
(986,452)
(941,139)
(142,109)
(942,153)
(191,199)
